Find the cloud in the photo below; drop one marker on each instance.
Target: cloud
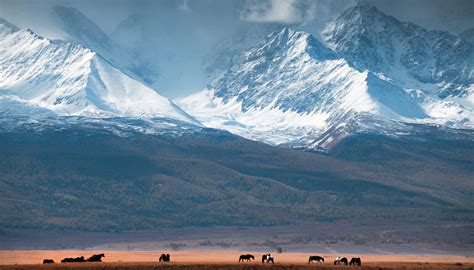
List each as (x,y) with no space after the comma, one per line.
(281,11)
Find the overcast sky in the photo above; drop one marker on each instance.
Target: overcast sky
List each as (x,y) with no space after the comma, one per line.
(195,26)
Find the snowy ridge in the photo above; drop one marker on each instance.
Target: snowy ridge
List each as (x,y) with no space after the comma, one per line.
(69,79)
(433,60)
(292,90)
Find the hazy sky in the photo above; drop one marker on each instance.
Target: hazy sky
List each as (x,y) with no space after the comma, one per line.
(192,28)
(452,15)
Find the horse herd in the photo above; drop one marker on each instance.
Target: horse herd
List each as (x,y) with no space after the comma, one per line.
(266,258)
(93,258)
(338,261)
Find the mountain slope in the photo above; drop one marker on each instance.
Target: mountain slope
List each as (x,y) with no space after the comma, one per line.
(403,51)
(291,89)
(82,176)
(82,30)
(69,79)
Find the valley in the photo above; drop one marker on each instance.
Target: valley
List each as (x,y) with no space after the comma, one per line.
(207,139)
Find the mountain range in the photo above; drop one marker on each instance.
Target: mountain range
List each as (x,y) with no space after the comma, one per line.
(291,89)
(374,120)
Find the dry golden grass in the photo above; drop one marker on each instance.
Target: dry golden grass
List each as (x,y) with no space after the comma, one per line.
(220,259)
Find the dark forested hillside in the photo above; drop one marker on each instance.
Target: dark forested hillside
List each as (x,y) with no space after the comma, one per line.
(81,179)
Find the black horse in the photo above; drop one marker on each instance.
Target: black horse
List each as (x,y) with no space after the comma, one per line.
(318,259)
(165,258)
(246,257)
(355,261)
(46,261)
(96,258)
(267,258)
(70,260)
(341,260)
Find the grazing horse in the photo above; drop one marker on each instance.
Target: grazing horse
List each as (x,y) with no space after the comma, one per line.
(165,258)
(316,258)
(77,259)
(341,260)
(96,258)
(45,261)
(246,257)
(355,261)
(267,258)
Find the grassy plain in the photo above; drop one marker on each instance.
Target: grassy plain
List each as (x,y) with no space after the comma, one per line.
(221,259)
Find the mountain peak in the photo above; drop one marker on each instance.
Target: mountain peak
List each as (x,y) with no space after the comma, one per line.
(290,43)
(6,27)
(370,39)
(283,37)
(81,29)
(364,6)
(366,15)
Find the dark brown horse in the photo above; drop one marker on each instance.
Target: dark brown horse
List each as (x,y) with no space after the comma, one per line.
(46,261)
(70,260)
(246,257)
(165,258)
(318,259)
(355,261)
(96,258)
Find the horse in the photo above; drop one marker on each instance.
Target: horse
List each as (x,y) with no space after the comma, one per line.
(45,261)
(268,258)
(316,258)
(246,257)
(341,260)
(77,259)
(67,260)
(96,258)
(165,258)
(355,261)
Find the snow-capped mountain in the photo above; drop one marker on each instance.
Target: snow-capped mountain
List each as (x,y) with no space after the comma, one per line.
(81,30)
(292,90)
(378,75)
(247,35)
(59,78)
(403,51)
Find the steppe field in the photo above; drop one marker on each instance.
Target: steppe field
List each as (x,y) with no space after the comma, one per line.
(221,259)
